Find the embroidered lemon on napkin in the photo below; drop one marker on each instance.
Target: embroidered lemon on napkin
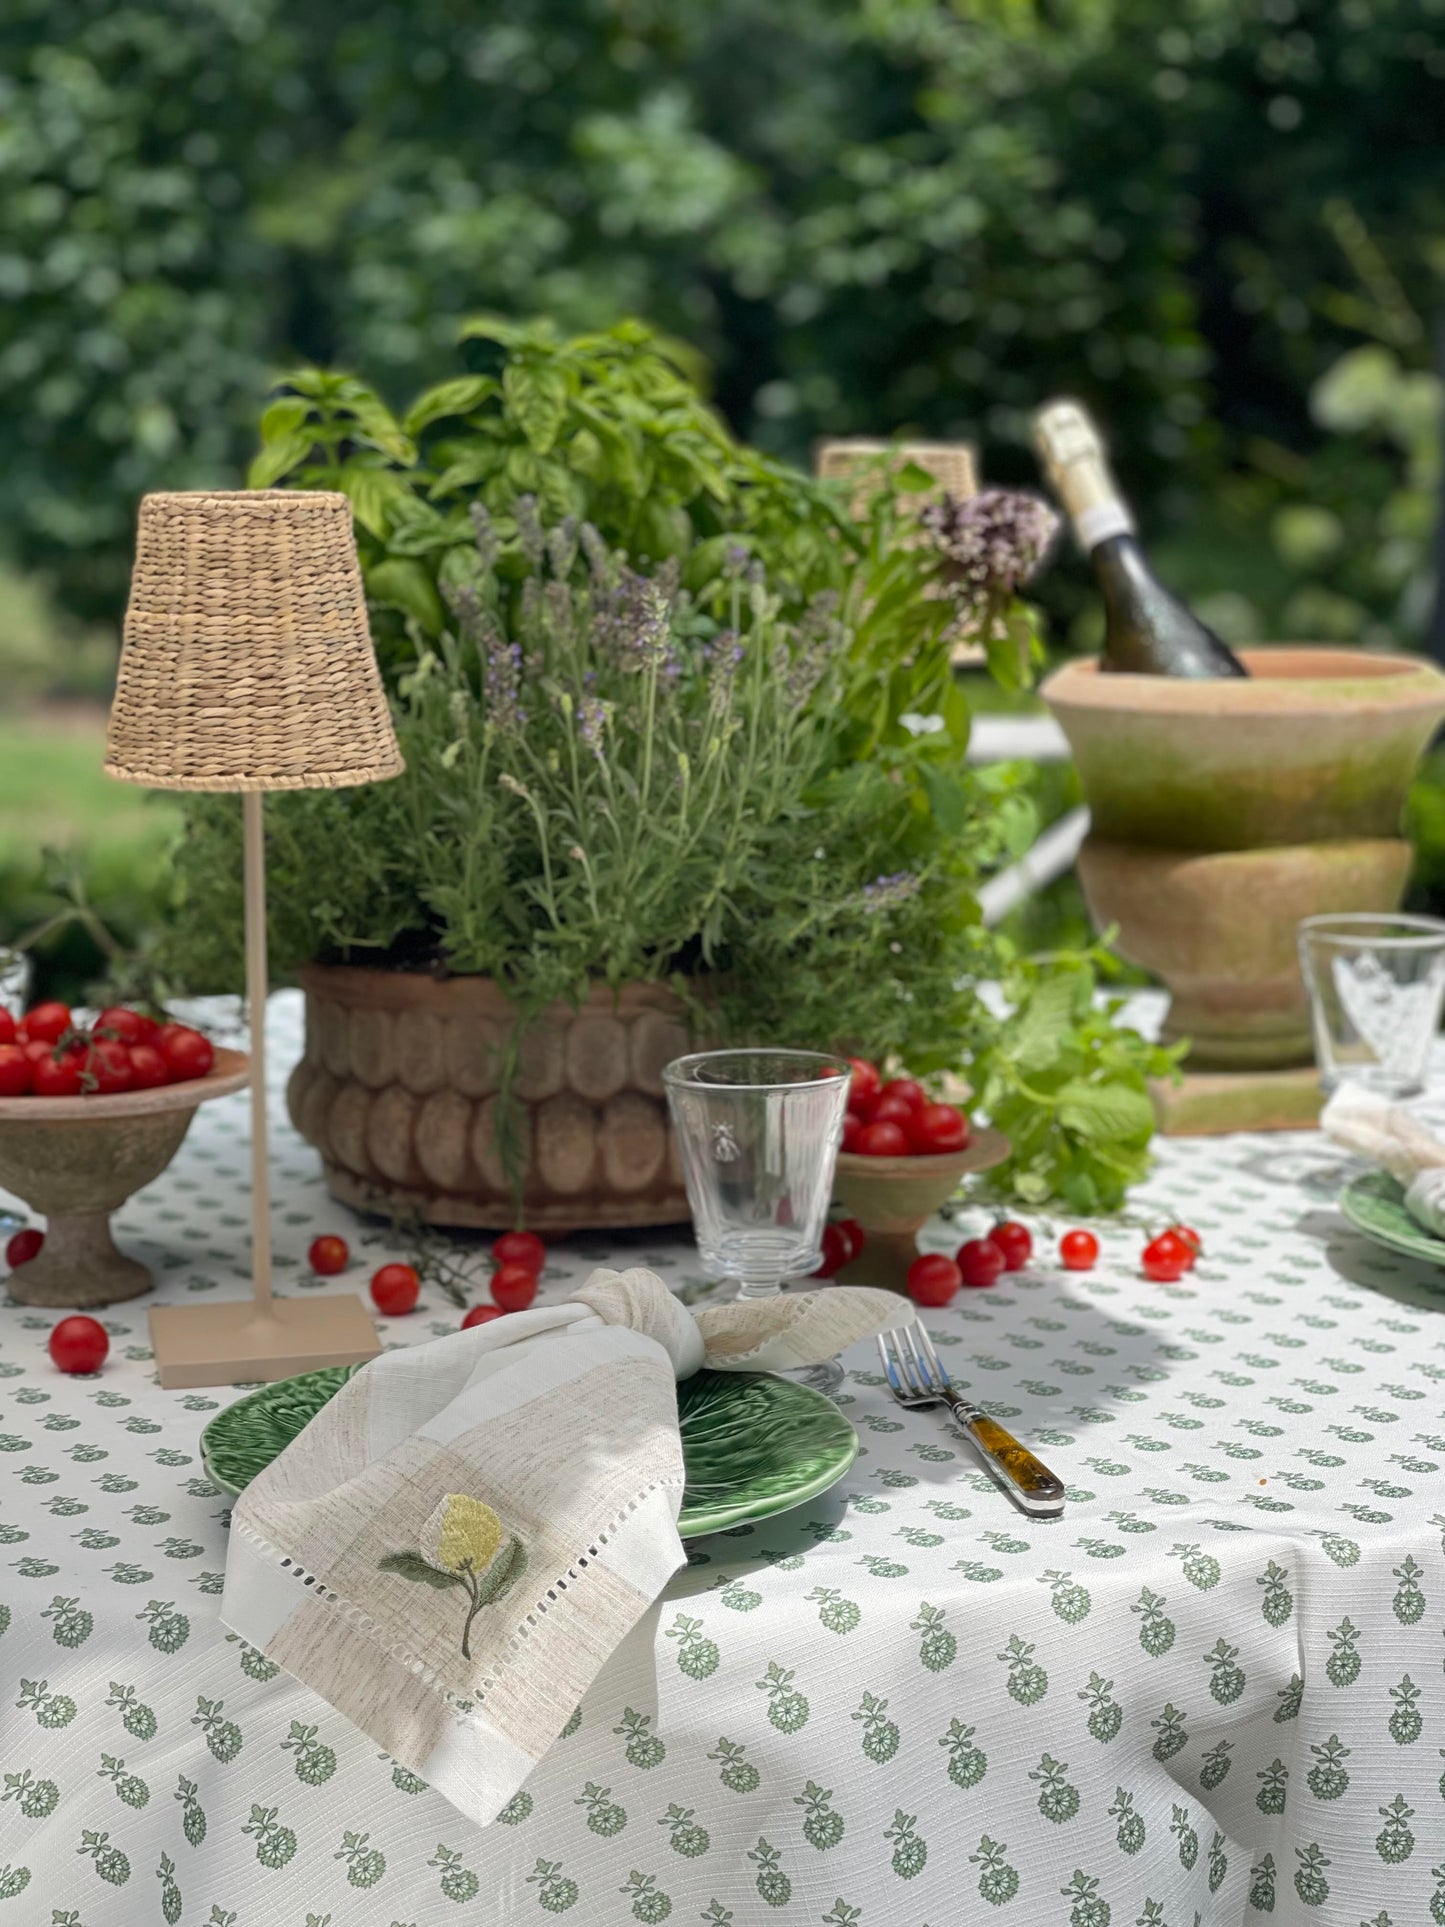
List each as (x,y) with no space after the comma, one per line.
(464,1544)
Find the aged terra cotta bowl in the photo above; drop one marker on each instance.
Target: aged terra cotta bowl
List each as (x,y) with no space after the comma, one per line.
(893,1198)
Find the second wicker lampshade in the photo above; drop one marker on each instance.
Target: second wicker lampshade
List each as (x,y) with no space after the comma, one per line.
(247,662)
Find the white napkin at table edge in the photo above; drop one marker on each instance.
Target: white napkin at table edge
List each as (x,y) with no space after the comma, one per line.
(460,1539)
(1388,1135)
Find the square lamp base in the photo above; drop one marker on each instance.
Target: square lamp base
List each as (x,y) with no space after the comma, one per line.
(231,1343)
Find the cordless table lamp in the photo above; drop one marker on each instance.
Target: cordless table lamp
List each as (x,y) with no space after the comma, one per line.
(247,665)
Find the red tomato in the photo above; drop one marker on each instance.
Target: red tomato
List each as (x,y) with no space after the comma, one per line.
(852,1131)
(60,1076)
(863,1086)
(7,1026)
(47,1023)
(853,1232)
(1166,1258)
(907,1089)
(126,1026)
(1190,1237)
(1079,1250)
(328,1256)
(893,1110)
(15,1071)
(1014,1241)
(35,1048)
(933,1279)
(147,1067)
(23,1246)
(108,1067)
(480,1314)
(836,1251)
(513,1287)
(936,1128)
(395,1289)
(186,1052)
(980,1262)
(523,1248)
(885,1140)
(78,1345)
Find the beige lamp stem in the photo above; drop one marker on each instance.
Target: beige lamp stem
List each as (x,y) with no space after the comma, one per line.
(254,827)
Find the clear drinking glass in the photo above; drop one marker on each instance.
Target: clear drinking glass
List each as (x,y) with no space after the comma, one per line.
(758,1134)
(16,971)
(1375,984)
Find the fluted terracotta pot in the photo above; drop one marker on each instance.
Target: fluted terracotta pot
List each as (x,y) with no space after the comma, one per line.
(398,1091)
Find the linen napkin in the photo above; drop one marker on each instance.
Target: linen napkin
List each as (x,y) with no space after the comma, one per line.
(1388,1135)
(458,1541)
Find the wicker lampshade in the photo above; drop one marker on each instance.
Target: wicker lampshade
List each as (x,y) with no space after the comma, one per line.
(247,662)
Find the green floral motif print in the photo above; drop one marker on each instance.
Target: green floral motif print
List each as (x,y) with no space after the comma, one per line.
(110,1863)
(1273,1792)
(193,1819)
(1261,1885)
(1201,1569)
(364,1864)
(604,1816)
(822,1828)
(686,1836)
(1058,1801)
(841,1914)
(1218,1862)
(130,1788)
(555,1892)
(739,1598)
(1027,1681)
(1070,1601)
(697,1655)
(223,1736)
(772,1883)
(14,1880)
(275,1844)
(458,1883)
(716,1915)
(1309,1880)
(882,1568)
(1156,1633)
(1405,1722)
(910,1853)
(835,1613)
(967,1763)
(1226,1681)
(36,1798)
(643,1749)
(738,1775)
(1185,1837)
(1214,1766)
(574,1720)
(1395,1842)
(1290,1698)
(880,1735)
(1172,1736)
(166,1628)
(649,1903)
(51,1710)
(998,1883)
(1342,1668)
(1343,1551)
(938,1648)
(1409,1601)
(463,1544)
(1088,1908)
(255,1665)
(1278,1601)
(72,1625)
(787,1709)
(1328,1778)
(1130,1834)
(1437,1899)
(314,1762)
(171,1902)
(1106,1715)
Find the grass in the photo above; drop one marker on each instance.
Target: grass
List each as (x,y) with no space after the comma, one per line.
(55,794)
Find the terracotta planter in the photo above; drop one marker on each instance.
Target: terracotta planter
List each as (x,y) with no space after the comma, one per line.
(1224,812)
(398,1085)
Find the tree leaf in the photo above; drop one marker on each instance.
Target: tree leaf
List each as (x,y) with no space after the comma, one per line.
(278,458)
(411,1565)
(456,397)
(406,585)
(284,417)
(1099,1113)
(536,395)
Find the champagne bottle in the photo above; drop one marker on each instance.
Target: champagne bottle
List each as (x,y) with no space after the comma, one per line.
(1148,631)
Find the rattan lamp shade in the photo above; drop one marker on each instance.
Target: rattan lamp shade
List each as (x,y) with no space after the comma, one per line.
(247,662)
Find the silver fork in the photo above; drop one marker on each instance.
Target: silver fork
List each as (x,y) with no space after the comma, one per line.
(918,1376)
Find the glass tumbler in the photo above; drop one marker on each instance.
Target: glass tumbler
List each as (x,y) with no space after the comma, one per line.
(1375,985)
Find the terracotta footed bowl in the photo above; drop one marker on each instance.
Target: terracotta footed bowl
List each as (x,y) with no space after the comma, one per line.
(893,1198)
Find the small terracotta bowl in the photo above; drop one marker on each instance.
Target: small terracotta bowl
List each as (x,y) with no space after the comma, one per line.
(893,1198)
(77,1159)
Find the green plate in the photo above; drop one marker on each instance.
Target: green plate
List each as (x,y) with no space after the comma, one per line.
(753,1445)
(1375,1204)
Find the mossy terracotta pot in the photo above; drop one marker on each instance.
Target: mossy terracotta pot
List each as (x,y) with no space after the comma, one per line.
(1222,813)
(77,1159)
(893,1198)
(399,1087)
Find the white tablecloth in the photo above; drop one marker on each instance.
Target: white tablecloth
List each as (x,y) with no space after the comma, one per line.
(1213,1692)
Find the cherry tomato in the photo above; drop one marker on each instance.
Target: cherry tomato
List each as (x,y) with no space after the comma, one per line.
(523,1248)
(933,1279)
(7,1026)
(885,1140)
(480,1314)
(852,1131)
(1015,1242)
(980,1262)
(147,1068)
(15,1071)
(79,1345)
(853,1232)
(1190,1237)
(23,1246)
(836,1251)
(1166,1258)
(35,1048)
(936,1128)
(395,1289)
(863,1086)
(328,1256)
(61,1076)
(513,1287)
(125,1026)
(893,1110)
(1079,1250)
(46,1024)
(186,1052)
(907,1089)
(108,1067)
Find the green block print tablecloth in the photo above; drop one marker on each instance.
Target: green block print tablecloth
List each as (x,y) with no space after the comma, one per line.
(1213,1693)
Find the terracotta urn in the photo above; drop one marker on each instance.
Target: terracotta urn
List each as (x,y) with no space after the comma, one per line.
(77,1159)
(1224,812)
(399,1085)
(893,1198)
